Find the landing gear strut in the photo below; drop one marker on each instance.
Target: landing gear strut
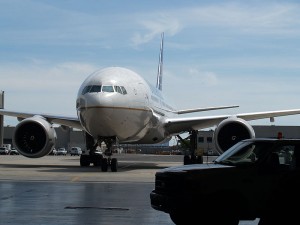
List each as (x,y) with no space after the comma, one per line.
(96,158)
(192,158)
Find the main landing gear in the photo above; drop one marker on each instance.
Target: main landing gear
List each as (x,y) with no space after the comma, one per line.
(109,161)
(97,158)
(192,145)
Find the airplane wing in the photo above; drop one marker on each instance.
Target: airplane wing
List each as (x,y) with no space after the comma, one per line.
(180,125)
(61,120)
(204,109)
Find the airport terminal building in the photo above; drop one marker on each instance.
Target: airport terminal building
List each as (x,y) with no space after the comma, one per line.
(69,137)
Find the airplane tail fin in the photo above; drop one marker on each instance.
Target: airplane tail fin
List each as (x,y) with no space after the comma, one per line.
(160,64)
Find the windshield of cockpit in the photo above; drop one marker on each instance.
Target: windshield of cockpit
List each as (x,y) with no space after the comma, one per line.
(104,88)
(244,153)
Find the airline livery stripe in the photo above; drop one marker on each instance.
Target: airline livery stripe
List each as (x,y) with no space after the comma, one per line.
(103,107)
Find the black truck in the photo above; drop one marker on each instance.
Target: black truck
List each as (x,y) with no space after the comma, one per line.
(256,178)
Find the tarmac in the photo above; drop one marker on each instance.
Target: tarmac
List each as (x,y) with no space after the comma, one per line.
(56,190)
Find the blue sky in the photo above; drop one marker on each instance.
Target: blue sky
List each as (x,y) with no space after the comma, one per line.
(244,53)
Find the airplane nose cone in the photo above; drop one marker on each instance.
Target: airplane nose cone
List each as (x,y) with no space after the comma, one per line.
(96,111)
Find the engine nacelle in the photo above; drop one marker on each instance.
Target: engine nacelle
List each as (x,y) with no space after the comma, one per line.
(34,137)
(230,131)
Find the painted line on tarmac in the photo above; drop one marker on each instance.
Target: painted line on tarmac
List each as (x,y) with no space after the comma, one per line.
(75,179)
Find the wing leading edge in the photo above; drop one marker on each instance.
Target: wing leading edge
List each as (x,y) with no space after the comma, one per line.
(204,109)
(180,125)
(61,120)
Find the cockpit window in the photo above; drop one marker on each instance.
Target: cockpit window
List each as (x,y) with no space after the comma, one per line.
(118,89)
(86,89)
(91,88)
(123,90)
(104,88)
(95,88)
(107,89)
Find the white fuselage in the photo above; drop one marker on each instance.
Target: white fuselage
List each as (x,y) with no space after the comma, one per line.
(117,102)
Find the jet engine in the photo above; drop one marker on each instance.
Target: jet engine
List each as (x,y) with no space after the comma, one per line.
(230,131)
(34,137)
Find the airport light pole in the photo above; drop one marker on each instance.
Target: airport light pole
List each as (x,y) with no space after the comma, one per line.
(1,118)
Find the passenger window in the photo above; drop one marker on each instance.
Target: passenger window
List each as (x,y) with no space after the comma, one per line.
(123,90)
(107,89)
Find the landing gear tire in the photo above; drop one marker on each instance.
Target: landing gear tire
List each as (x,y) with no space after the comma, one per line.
(114,165)
(104,165)
(186,160)
(84,160)
(192,160)
(97,160)
(199,160)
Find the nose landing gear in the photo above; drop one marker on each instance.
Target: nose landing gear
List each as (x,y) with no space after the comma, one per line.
(109,162)
(97,159)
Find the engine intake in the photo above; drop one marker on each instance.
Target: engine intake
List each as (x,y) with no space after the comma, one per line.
(230,131)
(34,137)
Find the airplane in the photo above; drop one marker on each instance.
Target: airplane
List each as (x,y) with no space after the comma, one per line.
(115,105)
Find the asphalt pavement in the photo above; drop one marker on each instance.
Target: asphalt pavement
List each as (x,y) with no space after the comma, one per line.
(56,190)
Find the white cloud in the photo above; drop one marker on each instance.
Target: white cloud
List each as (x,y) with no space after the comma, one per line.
(41,87)
(269,18)
(43,76)
(154,27)
(245,16)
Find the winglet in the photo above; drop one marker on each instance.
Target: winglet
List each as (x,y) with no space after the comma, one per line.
(160,64)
